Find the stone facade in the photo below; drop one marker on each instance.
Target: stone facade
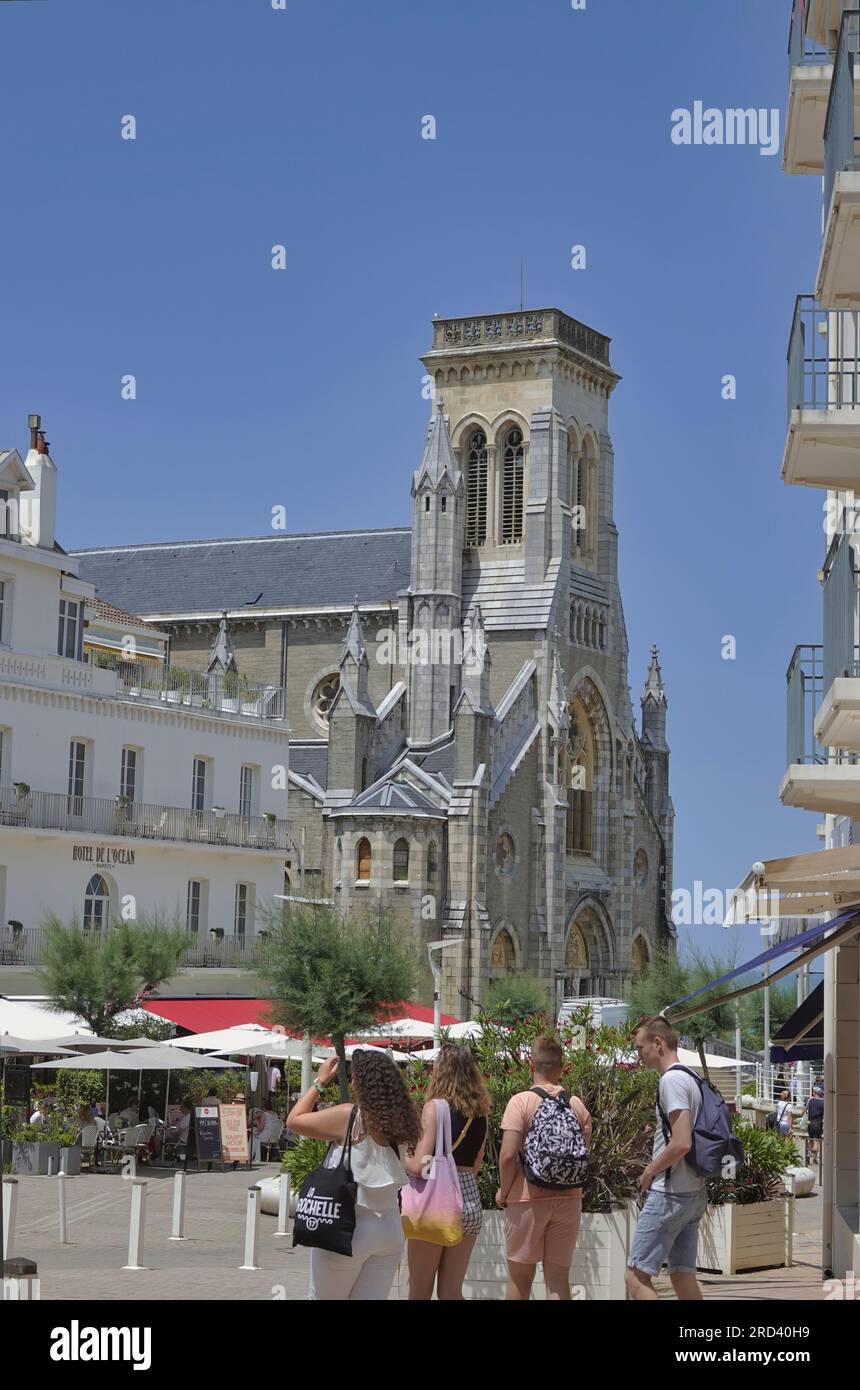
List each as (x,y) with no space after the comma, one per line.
(463,740)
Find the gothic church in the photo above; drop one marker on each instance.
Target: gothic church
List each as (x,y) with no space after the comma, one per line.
(462,734)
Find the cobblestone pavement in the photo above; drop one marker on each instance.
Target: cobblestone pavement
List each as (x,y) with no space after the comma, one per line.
(206,1264)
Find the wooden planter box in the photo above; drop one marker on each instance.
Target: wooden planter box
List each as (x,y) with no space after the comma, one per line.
(758,1236)
(598,1265)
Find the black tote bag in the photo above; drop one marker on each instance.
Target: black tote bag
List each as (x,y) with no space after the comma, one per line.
(325,1207)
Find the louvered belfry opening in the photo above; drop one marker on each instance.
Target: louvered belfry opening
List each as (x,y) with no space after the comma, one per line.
(476,499)
(513,467)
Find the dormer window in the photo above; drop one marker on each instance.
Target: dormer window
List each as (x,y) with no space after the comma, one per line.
(9,529)
(70,632)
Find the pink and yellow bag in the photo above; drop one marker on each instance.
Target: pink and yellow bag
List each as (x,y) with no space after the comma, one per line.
(432,1207)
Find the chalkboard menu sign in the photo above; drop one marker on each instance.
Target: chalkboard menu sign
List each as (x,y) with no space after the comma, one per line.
(207,1134)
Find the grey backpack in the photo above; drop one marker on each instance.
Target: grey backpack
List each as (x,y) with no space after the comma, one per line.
(713,1140)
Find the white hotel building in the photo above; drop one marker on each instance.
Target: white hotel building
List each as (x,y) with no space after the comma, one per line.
(126,787)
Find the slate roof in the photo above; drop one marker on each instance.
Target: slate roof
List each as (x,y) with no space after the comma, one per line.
(287,572)
(391,797)
(310,760)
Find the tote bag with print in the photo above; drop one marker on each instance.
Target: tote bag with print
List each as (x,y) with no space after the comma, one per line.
(325,1207)
(432,1206)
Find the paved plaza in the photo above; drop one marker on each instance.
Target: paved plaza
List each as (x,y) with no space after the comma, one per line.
(206,1264)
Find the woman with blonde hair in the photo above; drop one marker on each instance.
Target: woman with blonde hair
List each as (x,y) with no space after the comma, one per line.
(458,1083)
(383,1122)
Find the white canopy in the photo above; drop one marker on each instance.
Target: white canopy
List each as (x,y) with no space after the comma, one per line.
(799,885)
(30,1018)
(156,1059)
(246,1038)
(88,1042)
(397,1028)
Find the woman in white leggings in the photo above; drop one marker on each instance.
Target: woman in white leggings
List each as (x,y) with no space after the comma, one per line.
(386,1121)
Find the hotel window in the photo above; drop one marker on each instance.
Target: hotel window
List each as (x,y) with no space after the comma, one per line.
(362,860)
(198,785)
(96,904)
(243,916)
(70,631)
(77,770)
(9,528)
(128,773)
(513,468)
(476,489)
(192,916)
(246,791)
(401,861)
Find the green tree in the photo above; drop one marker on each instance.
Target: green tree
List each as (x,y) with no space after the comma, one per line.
(330,977)
(783,1002)
(667,978)
(96,974)
(515,997)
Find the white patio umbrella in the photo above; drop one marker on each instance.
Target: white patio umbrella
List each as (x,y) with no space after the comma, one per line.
(88,1042)
(33,1047)
(155,1058)
(397,1028)
(285,1050)
(34,1018)
(245,1038)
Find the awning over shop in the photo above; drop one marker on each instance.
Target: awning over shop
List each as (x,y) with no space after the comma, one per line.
(815,942)
(205,1015)
(801,1037)
(801,885)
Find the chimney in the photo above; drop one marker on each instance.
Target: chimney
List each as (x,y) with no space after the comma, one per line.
(41,504)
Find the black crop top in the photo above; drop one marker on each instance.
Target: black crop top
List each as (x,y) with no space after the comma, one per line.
(466,1153)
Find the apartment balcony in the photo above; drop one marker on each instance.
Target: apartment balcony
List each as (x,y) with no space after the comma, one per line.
(23,809)
(819,776)
(838,284)
(208,950)
(227,695)
(811,53)
(823,444)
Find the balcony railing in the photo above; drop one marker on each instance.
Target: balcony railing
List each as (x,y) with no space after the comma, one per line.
(803,47)
(25,946)
(806,685)
(92,815)
(823,357)
(224,694)
(840,138)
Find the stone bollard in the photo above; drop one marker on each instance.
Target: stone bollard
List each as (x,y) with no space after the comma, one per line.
(20,1280)
(10,1206)
(135,1230)
(61,1198)
(252,1228)
(178,1207)
(284,1188)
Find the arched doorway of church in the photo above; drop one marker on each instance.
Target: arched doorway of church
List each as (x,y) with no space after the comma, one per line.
(503,955)
(588,963)
(639,955)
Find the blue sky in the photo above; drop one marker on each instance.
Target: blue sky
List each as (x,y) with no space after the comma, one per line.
(254,388)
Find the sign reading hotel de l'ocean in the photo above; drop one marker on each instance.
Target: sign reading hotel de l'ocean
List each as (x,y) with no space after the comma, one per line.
(102,854)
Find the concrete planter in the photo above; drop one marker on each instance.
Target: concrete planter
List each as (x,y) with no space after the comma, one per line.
(270,1190)
(758,1236)
(598,1265)
(70,1160)
(33,1158)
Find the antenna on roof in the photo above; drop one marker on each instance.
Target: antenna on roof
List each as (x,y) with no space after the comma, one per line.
(522,284)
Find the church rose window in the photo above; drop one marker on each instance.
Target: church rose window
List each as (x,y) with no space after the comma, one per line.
(323,696)
(513,461)
(476,490)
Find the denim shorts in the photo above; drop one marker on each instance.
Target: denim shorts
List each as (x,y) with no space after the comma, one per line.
(668,1232)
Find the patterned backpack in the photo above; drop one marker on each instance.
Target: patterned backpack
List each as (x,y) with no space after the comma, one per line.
(555,1153)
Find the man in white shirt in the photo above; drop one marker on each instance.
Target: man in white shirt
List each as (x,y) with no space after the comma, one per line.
(668,1226)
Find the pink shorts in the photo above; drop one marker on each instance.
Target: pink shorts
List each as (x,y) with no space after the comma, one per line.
(544,1231)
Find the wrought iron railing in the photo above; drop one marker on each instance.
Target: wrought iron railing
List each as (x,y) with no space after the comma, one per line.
(218,693)
(21,945)
(803,46)
(93,815)
(806,686)
(823,357)
(840,138)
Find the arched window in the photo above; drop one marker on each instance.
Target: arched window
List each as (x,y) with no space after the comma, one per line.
(513,469)
(476,489)
(639,955)
(96,904)
(503,956)
(432,864)
(582,769)
(362,860)
(580,515)
(401,861)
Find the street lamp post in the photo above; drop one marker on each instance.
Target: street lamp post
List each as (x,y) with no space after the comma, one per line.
(436,967)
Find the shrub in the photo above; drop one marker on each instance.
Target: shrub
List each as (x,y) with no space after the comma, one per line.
(767,1154)
(301,1160)
(515,997)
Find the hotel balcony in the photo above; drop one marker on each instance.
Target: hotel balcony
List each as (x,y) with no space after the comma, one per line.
(823,444)
(208,950)
(820,775)
(811,53)
(221,694)
(838,284)
(23,809)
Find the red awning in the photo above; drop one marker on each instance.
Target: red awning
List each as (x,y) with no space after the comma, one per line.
(205,1015)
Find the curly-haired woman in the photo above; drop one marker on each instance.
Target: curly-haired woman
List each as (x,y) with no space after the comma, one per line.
(457,1081)
(386,1122)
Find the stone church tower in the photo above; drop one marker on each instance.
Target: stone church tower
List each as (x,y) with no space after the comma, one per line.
(462,733)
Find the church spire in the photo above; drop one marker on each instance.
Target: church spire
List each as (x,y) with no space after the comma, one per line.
(222,658)
(438,455)
(353,664)
(476,661)
(354,643)
(654,687)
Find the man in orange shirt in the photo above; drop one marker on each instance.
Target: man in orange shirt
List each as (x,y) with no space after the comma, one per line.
(541,1222)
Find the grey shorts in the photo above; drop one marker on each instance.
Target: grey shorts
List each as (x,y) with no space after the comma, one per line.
(472,1211)
(668,1232)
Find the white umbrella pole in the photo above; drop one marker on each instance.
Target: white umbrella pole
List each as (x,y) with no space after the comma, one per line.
(166,1098)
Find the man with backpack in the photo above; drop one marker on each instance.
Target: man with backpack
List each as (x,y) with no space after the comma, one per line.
(692,1140)
(542,1164)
